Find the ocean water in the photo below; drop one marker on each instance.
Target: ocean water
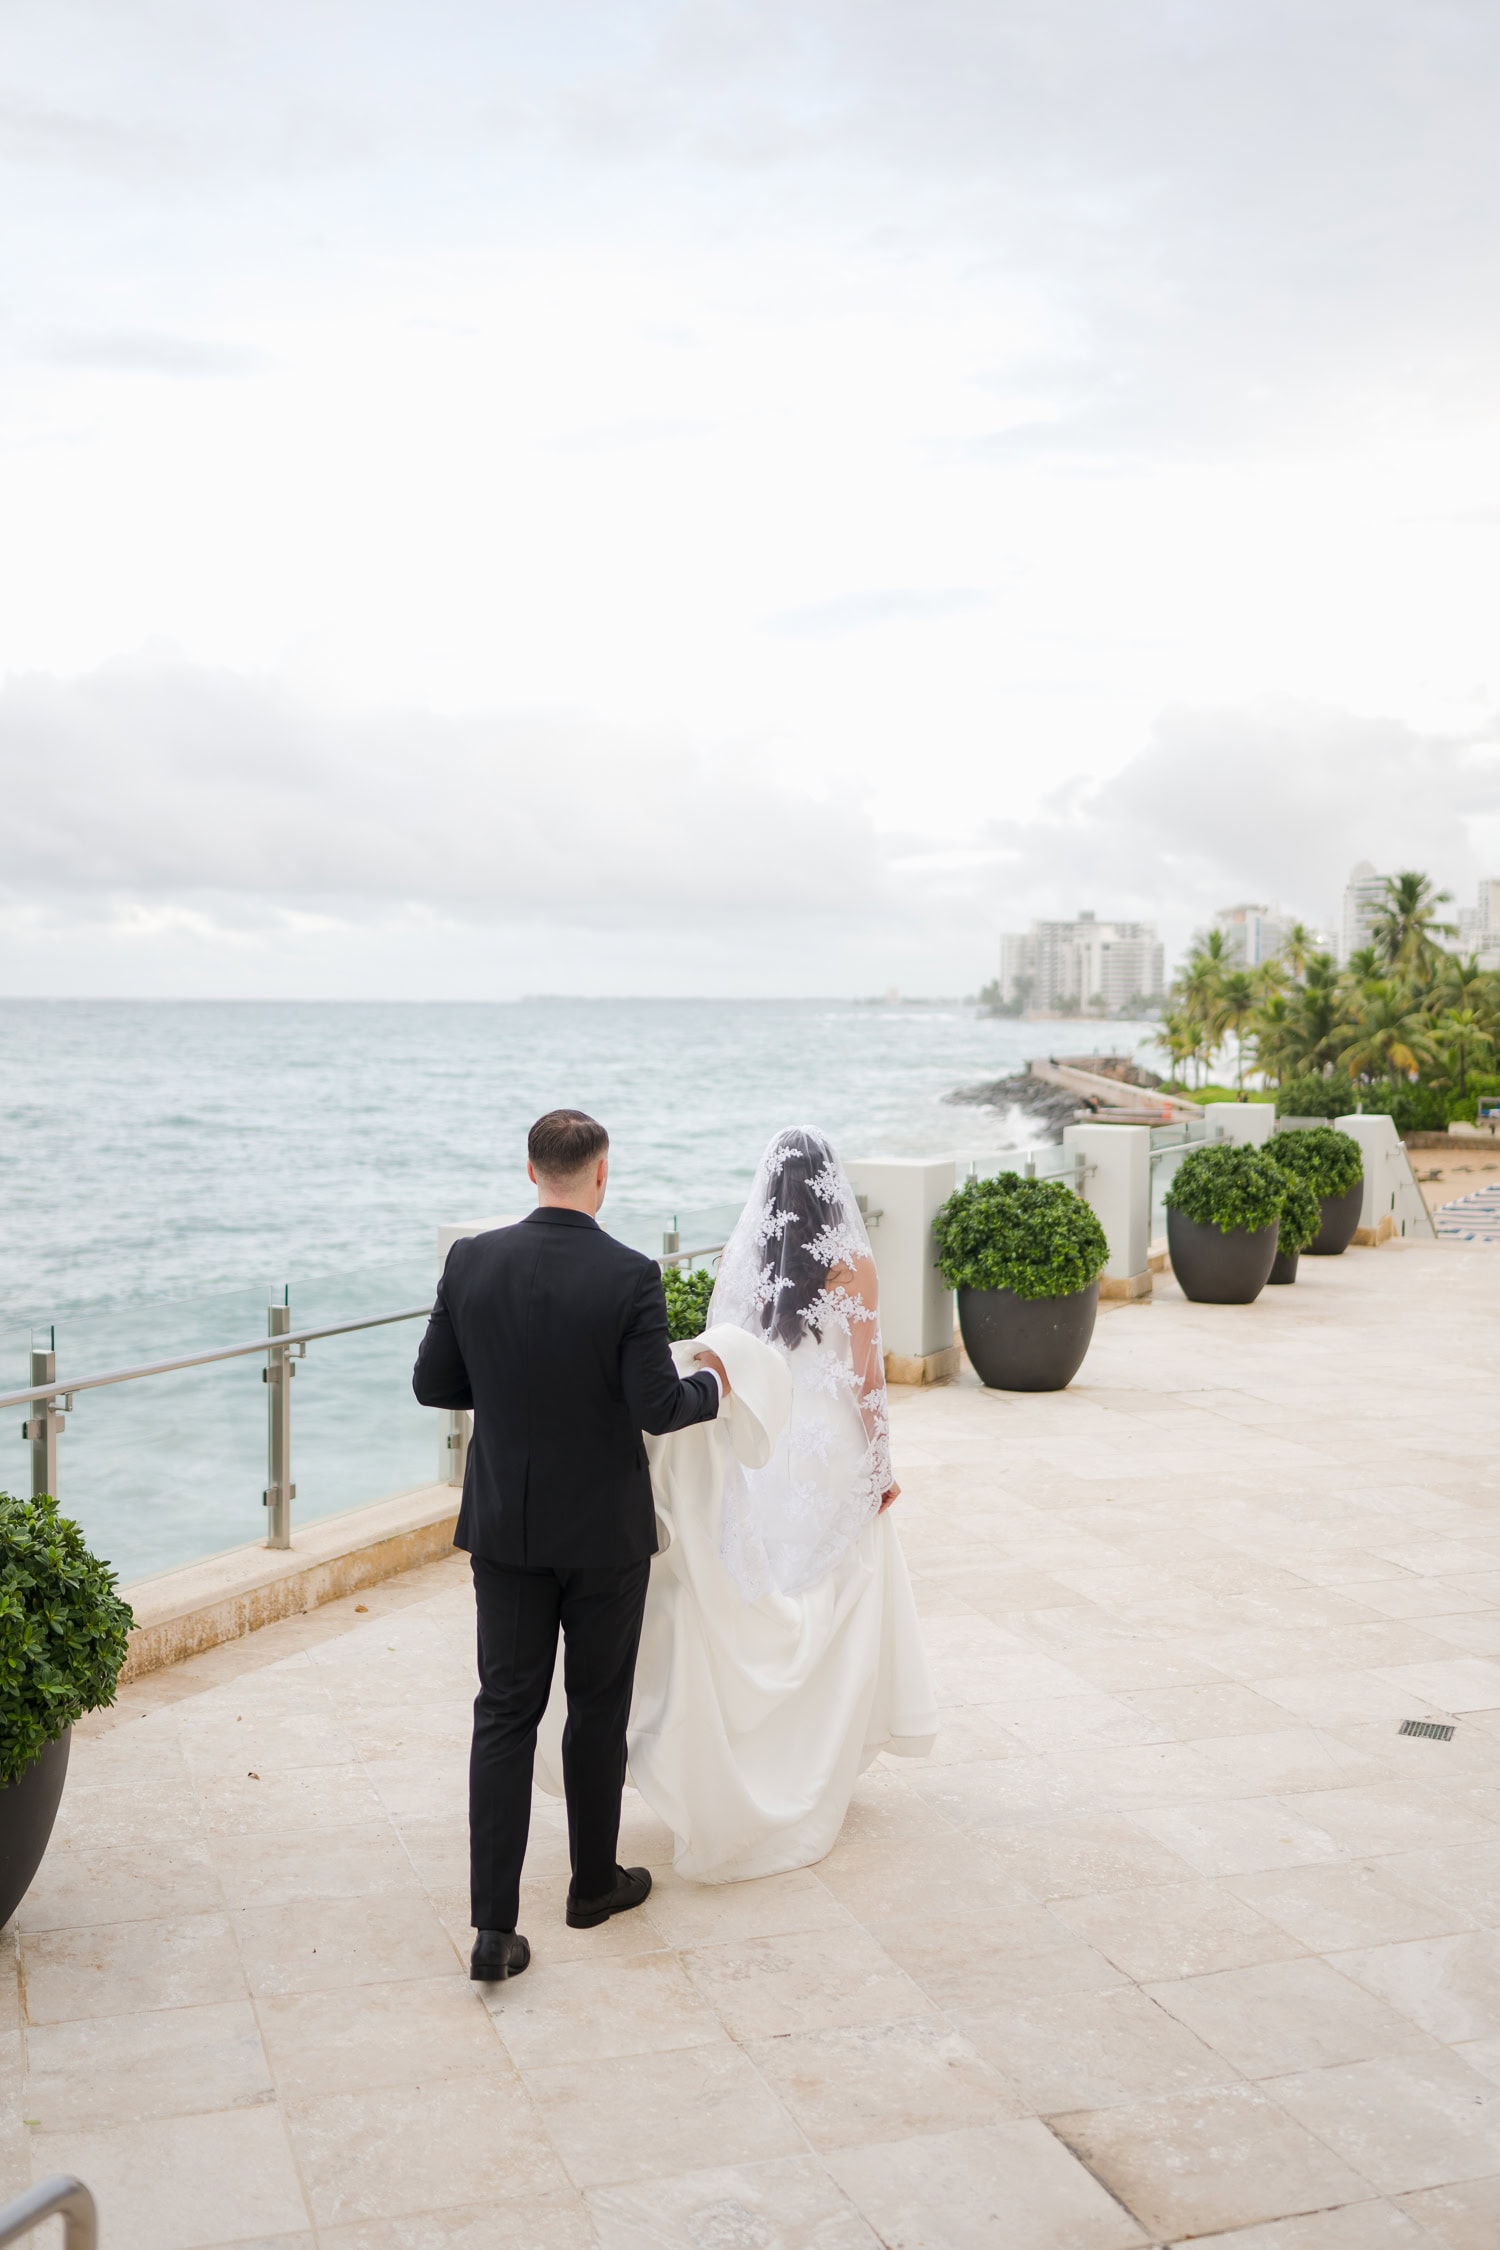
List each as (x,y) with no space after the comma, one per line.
(168,1169)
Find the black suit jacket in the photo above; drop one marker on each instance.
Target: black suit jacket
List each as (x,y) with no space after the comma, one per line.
(556,1335)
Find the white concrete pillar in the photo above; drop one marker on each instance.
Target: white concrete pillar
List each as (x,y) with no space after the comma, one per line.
(1393,1202)
(1117,1185)
(1250,1124)
(457,1428)
(902,1195)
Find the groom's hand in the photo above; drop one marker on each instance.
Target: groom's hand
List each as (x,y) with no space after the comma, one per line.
(712,1359)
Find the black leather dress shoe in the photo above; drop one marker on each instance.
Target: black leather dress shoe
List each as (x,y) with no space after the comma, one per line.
(497,1954)
(632,1888)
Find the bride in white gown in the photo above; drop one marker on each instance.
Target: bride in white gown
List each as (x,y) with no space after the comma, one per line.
(780,1651)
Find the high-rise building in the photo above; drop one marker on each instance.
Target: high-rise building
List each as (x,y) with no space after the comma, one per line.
(1084,963)
(1479,926)
(1252,934)
(1364,896)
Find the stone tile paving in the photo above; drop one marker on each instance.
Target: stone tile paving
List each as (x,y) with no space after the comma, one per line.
(1176,1938)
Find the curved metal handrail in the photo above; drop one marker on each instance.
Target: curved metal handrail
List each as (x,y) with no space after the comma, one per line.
(58,2196)
(34,1393)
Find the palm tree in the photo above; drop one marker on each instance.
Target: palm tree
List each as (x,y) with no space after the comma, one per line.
(1180,1037)
(1406,928)
(1297,949)
(1461,1038)
(1321,1014)
(1234,1004)
(1277,1034)
(1390,1035)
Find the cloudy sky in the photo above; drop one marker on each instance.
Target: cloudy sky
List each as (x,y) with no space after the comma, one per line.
(745,498)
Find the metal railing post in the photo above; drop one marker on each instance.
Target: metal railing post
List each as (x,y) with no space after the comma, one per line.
(44,1427)
(59,2195)
(277,1376)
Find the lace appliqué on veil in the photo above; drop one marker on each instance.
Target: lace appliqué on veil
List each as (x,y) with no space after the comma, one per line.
(798,1273)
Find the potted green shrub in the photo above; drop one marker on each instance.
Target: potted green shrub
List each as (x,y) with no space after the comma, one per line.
(62,1642)
(688,1289)
(1301,1216)
(1025,1257)
(1333,1166)
(1223,1205)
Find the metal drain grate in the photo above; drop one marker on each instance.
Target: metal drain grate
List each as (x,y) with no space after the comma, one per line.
(1429,1729)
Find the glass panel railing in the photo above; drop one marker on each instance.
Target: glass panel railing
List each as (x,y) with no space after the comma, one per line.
(171,1468)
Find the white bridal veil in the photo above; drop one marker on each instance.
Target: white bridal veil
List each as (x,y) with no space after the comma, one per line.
(797,1273)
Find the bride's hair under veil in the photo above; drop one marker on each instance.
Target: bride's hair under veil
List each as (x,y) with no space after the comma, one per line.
(798,1272)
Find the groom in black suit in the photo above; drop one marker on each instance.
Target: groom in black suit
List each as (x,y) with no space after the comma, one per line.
(556,1335)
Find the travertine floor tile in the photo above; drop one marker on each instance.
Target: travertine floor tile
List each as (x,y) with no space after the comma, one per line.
(788,2205)
(883,2081)
(178,2183)
(1359,2226)
(947,1878)
(980,2188)
(1084,1854)
(399,2150)
(116,2070)
(1405,2122)
(573,2011)
(90,1883)
(130,1966)
(1332,1909)
(272,1803)
(686,1914)
(1240,1837)
(347,2042)
(1449,1985)
(275,1870)
(1463,2217)
(1090,2050)
(646,2117)
(1196,1714)
(1210,2162)
(962,1967)
(1461,1683)
(522,2223)
(326,1944)
(807,1980)
(1287,2015)
(1169,1930)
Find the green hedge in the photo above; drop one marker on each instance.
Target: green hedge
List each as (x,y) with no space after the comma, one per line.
(688,1290)
(1035,1237)
(1227,1185)
(1330,1162)
(1301,1213)
(1313,1095)
(62,1630)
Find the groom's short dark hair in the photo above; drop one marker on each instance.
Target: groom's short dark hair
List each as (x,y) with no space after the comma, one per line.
(564,1141)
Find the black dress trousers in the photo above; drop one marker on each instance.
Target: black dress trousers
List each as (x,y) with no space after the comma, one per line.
(520,1613)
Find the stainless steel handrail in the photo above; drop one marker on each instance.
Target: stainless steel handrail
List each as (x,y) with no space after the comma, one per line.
(59,2196)
(35,1393)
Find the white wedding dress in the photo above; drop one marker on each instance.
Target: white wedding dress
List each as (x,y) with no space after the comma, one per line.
(780,1651)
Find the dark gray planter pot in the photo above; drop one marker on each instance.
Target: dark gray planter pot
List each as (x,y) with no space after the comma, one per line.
(1026,1343)
(28,1808)
(1220,1269)
(1340,1218)
(1284,1266)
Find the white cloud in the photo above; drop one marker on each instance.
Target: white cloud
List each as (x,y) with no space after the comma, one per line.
(737,410)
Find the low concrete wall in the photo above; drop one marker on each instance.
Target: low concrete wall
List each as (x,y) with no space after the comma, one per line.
(188,1610)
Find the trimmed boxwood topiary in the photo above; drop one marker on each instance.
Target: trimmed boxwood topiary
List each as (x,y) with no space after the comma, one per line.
(62,1631)
(688,1289)
(1301,1216)
(1227,1185)
(1033,1237)
(1329,1162)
